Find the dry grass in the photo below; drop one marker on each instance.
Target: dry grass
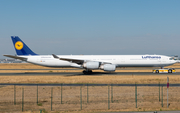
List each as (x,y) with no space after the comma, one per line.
(90,79)
(21,66)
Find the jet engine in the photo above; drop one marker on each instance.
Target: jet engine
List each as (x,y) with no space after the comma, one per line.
(91,65)
(108,67)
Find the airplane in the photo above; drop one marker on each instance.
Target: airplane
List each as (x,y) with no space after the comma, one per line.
(107,63)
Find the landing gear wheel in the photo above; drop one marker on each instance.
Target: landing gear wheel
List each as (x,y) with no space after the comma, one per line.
(169,71)
(87,72)
(157,71)
(84,72)
(90,71)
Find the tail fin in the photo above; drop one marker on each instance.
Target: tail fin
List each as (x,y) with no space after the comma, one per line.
(20,47)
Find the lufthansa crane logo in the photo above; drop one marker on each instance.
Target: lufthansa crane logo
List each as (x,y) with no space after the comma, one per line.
(18,45)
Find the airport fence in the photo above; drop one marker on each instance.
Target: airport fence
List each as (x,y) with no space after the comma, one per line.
(64,97)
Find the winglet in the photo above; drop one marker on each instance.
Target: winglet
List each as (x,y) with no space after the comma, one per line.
(55,56)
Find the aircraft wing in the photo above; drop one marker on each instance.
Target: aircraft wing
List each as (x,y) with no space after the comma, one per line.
(16,57)
(77,61)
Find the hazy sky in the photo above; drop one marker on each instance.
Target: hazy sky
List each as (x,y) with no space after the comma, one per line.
(91,26)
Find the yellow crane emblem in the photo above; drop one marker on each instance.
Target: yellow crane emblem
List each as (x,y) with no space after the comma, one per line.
(18,45)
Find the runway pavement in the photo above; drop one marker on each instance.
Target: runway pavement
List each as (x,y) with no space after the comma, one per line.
(81,74)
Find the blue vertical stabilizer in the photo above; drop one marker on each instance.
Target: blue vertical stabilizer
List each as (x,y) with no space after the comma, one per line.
(20,47)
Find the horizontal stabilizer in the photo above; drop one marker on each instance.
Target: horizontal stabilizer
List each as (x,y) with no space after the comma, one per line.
(16,57)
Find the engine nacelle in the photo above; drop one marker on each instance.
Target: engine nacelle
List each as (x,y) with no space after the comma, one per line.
(108,67)
(91,65)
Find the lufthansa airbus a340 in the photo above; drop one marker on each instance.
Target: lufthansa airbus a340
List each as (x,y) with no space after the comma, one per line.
(88,62)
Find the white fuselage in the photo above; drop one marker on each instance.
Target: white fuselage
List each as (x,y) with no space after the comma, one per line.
(118,60)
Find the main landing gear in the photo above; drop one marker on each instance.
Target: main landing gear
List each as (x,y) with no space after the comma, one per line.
(87,72)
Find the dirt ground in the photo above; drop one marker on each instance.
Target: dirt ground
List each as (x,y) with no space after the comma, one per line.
(121,98)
